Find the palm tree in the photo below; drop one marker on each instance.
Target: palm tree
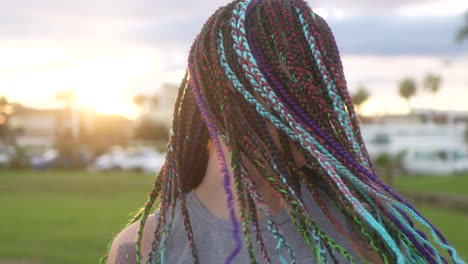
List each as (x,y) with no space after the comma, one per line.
(463,32)
(154,99)
(432,82)
(3,117)
(140,100)
(3,101)
(7,108)
(145,103)
(407,89)
(359,97)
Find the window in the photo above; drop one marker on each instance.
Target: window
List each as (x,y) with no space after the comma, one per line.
(442,155)
(423,156)
(381,139)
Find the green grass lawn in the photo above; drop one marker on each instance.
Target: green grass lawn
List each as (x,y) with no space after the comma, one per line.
(65,217)
(452,225)
(69,217)
(457,184)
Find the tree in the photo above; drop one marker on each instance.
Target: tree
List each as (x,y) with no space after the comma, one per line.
(384,166)
(145,102)
(463,32)
(147,128)
(140,100)
(151,130)
(359,97)
(154,99)
(432,82)
(387,164)
(407,89)
(3,117)
(6,110)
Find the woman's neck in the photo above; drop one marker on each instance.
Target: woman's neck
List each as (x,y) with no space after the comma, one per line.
(212,194)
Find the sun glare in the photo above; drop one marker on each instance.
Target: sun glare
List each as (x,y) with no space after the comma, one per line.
(379,106)
(103,79)
(126,110)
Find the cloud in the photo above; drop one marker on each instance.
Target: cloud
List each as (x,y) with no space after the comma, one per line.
(364,5)
(434,8)
(125,47)
(391,35)
(21,18)
(109,8)
(172,25)
(365,35)
(384,72)
(160,8)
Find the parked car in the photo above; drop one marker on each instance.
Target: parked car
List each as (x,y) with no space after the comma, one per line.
(44,159)
(154,164)
(143,159)
(7,154)
(109,160)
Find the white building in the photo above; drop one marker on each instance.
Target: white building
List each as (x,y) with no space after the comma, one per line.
(36,127)
(430,147)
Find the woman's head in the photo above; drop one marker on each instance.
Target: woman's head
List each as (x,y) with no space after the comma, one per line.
(265,78)
(254,67)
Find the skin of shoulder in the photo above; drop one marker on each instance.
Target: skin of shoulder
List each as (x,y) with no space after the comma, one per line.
(123,249)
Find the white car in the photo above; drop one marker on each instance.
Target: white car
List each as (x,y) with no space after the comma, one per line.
(146,159)
(110,159)
(5,159)
(44,159)
(6,155)
(154,164)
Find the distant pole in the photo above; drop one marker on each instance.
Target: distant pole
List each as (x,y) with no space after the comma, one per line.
(69,98)
(75,121)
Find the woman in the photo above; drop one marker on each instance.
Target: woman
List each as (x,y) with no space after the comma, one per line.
(265,161)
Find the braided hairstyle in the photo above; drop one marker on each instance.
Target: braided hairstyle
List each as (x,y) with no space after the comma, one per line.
(275,61)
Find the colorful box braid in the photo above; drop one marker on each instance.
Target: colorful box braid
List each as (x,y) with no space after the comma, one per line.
(275,61)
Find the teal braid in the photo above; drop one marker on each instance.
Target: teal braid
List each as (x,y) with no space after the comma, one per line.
(331,88)
(256,227)
(237,85)
(402,206)
(258,63)
(249,97)
(245,54)
(257,197)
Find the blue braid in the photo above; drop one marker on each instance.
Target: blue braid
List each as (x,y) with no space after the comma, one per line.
(240,10)
(259,107)
(331,88)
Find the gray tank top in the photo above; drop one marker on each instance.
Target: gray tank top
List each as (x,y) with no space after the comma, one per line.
(214,242)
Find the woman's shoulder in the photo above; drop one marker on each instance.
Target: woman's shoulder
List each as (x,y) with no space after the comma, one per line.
(123,249)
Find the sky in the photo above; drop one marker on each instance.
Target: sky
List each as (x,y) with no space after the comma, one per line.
(107,51)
